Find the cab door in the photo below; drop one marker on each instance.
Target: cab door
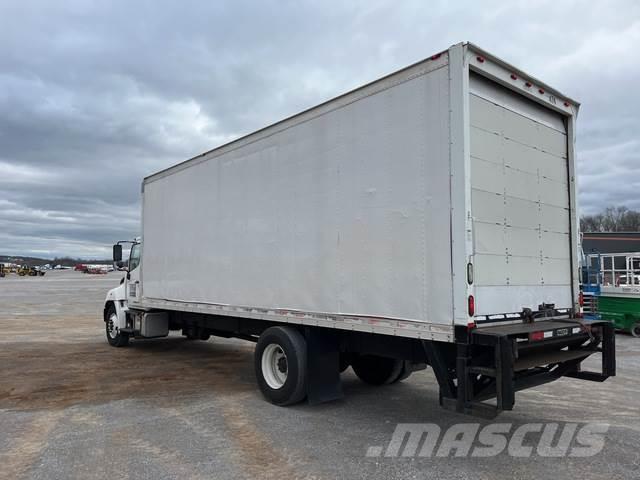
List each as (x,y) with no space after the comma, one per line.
(133,275)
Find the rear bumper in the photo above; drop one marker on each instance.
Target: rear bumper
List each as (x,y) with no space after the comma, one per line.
(495,362)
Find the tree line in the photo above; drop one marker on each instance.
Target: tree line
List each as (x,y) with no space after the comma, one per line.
(612,219)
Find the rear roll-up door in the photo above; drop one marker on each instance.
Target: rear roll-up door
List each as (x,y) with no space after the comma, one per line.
(520,201)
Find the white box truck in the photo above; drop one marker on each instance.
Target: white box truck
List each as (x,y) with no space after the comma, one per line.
(425,219)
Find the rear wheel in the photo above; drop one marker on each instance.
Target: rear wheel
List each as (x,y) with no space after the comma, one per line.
(635,330)
(376,370)
(115,337)
(405,371)
(280,363)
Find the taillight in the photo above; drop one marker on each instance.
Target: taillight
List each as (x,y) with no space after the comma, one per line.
(536,336)
(471,305)
(581,299)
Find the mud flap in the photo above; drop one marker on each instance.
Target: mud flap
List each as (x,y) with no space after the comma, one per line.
(323,366)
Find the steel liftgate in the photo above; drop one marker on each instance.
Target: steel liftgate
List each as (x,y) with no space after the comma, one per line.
(495,362)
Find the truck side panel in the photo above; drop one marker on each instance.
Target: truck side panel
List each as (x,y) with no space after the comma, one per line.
(345,212)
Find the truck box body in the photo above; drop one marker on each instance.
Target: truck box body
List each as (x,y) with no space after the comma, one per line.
(381,210)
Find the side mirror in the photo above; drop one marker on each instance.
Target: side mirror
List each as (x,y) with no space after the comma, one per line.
(117,252)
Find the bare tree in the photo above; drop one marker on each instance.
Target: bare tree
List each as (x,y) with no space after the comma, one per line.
(612,219)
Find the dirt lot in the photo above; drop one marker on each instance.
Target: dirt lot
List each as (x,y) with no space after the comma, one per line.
(73,407)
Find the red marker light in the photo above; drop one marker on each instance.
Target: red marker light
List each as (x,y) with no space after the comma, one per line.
(566,104)
(581,299)
(541,91)
(471,305)
(480,59)
(513,77)
(536,336)
(436,56)
(527,84)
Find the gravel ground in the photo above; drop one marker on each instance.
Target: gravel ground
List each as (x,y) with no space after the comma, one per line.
(73,407)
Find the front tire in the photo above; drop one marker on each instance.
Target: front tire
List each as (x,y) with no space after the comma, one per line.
(376,370)
(115,337)
(280,362)
(635,330)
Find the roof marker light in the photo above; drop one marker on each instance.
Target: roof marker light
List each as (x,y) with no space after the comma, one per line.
(480,59)
(541,91)
(436,56)
(513,77)
(527,84)
(567,104)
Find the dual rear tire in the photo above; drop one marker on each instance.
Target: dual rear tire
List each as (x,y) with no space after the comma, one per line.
(376,370)
(280,363)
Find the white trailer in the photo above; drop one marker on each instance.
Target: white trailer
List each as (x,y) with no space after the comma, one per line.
(428,217)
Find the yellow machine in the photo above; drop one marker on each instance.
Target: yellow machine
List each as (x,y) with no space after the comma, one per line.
(25,270)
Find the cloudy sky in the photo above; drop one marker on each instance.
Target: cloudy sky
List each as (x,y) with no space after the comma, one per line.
(96,95)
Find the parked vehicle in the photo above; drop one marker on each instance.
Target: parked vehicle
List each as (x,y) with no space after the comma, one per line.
(26,270)
(426,218)
(615,280)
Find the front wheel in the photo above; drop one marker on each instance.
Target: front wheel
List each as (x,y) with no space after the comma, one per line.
(280,362)
(635,330)
(115,337)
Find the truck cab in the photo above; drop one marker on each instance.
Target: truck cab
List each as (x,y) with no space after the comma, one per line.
(119,324)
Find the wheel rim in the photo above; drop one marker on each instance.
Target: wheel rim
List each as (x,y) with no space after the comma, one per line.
(112,330)
(274,366)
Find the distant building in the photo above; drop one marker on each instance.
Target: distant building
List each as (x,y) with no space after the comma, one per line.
(610,242)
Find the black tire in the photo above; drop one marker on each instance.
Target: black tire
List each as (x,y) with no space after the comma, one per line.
(292,345)
(405,371)
(376,370)
(635,330)
(115,337)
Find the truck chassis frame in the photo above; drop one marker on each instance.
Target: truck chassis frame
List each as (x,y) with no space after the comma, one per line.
(482,364)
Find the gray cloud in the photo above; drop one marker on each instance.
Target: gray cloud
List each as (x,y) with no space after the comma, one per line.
(96,95)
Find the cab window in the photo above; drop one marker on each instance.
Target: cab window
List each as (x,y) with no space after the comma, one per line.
(134,257)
